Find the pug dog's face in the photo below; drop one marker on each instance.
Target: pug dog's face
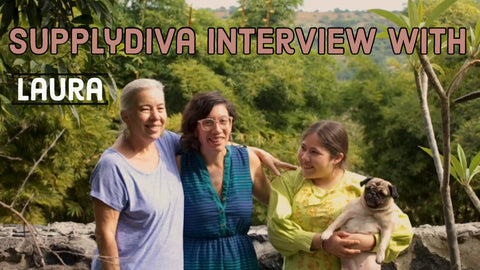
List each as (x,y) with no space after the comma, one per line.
(378,192)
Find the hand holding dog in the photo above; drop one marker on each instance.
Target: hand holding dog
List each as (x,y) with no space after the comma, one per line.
(342,244)
(366,241)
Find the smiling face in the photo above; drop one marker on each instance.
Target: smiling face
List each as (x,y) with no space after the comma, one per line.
(215,139)
(315,160)
(147,116)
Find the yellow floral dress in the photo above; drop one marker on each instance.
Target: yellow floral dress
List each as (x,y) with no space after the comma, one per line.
(298,210)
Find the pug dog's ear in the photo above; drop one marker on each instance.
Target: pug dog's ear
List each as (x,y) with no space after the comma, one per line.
(365,181)
(393,191)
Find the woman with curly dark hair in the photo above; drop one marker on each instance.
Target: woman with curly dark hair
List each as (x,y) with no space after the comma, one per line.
(218,180)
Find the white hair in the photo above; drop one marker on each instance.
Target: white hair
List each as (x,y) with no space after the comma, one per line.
(130,91)
(133,87)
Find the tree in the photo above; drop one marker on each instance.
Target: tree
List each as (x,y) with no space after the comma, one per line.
(50,182)
(425,74)
(57,189)
(268,13)
(50,14)
(378,100)
(54,13)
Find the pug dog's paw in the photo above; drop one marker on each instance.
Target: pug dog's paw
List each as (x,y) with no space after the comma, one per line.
(326,234)
(380,258)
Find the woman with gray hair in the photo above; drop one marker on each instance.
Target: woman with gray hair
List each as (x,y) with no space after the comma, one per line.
(136,189)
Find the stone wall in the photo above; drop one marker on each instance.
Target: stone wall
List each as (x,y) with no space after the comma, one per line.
(74,245)
(429,248)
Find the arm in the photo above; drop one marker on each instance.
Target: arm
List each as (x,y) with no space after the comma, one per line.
(106,219)
(272,162)
(261,184)
(179,162)
(287,236)
(284,234)
(366,242)
(345,245)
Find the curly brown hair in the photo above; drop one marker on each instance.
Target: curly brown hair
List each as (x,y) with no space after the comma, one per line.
(198,108)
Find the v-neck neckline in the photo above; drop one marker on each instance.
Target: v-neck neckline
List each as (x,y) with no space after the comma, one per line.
(219,201)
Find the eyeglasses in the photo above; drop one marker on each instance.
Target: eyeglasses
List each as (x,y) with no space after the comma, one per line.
(208,124)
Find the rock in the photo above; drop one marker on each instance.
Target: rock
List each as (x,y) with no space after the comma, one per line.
(429,250)
(69,242)
(73,243)
(268,256)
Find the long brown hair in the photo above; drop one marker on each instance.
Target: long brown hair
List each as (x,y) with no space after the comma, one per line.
(332,136)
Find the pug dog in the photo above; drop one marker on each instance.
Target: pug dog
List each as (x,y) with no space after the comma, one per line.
(371,213)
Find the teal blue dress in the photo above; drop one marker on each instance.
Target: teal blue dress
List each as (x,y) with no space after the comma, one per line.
(215,229)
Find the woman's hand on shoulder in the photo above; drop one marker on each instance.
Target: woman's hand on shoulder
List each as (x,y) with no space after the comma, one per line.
(273,163)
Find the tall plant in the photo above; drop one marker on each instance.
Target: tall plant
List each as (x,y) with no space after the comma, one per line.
(425,75)
(463,172)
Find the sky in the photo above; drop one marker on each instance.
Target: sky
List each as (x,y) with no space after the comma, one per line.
(313,5)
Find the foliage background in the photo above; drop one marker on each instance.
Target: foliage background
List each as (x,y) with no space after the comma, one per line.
(277,97)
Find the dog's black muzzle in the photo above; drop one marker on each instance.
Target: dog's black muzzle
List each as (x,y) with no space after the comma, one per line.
(373,199)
